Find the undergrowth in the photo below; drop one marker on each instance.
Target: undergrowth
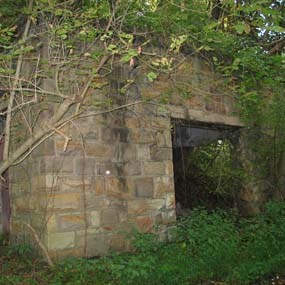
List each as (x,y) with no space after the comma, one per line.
(204,247)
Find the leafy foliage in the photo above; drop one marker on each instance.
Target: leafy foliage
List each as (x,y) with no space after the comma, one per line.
(204,247)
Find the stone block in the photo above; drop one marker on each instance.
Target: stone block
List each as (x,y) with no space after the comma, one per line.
(56,165)
(95,218)
(73,183)
(160,122)
(144,224)
(169,168)
(160,153)
(109,217)
(98,186)
(115,134)
(168,217)
(71,222)
(125,152)
(143,152)
(117,187)
(145,206)
(51,180)
(85,166)
(170,201)
(119,168)
(96,202)
(118,243)
(100,150)
(142,136)
(144,187)
(74,148)
(97,245)
(60,201)
(60,241)
(161,188)
(154,168)
(132,168)
(133,122)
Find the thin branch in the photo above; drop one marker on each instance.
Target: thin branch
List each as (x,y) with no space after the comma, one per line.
(40,244)
(13,93)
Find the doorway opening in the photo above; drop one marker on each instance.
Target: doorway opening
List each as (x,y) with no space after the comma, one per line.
(206,169)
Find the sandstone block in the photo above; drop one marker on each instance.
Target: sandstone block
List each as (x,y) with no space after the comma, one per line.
(144,187)
(59,241)
(145,206)
(71,222)
(170,201)
(85,166)
(142,136)
(118,243)
(117,187)
(109,217)
(60,201)
(169,168)
(160,122)
(160,153)
(95,218)
(144,224)
(132,122)
(115,134)
(125,152)
(56,165)
(154,168)
(73,148)
(101,150)
(168,217)
(98,186)
(143,152)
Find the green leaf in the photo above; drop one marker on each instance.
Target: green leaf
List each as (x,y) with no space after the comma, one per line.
(151,76)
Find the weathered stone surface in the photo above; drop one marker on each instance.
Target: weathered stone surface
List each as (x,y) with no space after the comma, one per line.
(125,152)
(144,224)
(118,243)
(132,122)
(154,168)
(60,201)
(101,150)
(98,186)
(73,148)
(97,245)
(59,241)
(168,217)
(115,134)
(160,122)
(142,136)
(95,218)
(56,165)
(143,152)
(160,153)
(109,217)
(85,166)
(170,201)
(169,168)
(144,187)
(71,222)
(117,187)
(145,206)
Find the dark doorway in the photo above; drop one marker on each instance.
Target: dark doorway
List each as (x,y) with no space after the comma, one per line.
(206,169)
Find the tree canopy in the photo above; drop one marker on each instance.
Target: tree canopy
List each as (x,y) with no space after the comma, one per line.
(241,39)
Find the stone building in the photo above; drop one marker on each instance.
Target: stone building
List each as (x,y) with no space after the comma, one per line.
(116,172)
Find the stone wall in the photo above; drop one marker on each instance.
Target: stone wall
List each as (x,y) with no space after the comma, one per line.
(116,174)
